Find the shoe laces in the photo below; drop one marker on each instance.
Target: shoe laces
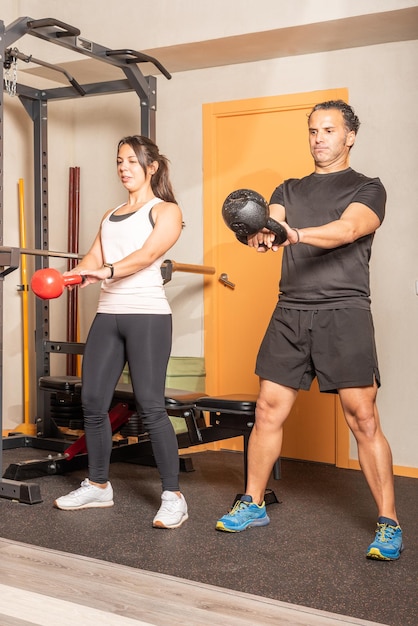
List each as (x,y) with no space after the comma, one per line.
(239,506)
(171,505)
(385,532)
(85,485)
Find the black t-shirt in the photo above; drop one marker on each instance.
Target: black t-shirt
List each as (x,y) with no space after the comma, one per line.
(317,278)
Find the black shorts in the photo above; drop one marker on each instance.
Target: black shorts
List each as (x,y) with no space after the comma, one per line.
(337,346)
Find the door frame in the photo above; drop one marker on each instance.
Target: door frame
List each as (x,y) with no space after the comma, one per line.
(211,112)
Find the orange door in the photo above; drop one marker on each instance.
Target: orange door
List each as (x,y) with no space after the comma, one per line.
(255,144)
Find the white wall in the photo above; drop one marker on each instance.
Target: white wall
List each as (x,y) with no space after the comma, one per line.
(383,88)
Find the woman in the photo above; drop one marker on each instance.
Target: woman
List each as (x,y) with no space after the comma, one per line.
(132,324)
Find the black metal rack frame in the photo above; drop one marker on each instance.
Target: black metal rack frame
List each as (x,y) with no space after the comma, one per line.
(35,102)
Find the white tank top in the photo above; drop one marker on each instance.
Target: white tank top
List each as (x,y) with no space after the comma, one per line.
(142,292)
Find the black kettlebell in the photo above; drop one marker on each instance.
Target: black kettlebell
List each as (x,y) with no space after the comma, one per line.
(246,212)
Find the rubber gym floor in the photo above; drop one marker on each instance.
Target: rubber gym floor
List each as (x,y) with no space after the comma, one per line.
(312,553)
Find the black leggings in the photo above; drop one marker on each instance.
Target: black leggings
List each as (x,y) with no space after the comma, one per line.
(144,341)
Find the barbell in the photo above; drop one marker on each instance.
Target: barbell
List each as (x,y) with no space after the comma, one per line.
(10,261)
(10,257)
(52,253)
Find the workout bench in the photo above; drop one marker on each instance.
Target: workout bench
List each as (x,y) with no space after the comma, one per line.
(179,403)
(228,416)
(60,402)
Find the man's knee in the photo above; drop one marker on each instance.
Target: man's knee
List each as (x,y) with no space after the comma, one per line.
(270,414)
(364,423)
(274,403)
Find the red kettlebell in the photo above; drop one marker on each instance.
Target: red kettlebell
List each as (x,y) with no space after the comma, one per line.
(49,283)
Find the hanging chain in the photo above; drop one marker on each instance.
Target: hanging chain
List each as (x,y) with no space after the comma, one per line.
(10,77)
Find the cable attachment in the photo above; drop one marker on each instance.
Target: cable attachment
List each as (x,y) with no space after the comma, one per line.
(10,72)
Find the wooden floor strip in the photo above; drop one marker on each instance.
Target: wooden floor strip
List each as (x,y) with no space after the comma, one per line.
(40,587)
(44,611)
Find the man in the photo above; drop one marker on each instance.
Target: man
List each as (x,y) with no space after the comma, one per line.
(322,325)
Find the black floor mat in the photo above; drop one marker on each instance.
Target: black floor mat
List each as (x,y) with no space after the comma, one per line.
(312,553)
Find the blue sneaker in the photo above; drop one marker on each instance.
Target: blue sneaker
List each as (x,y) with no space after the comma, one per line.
(245,514)
(387,545)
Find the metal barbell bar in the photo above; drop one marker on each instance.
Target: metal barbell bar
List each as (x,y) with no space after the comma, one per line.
(9,261)
(10,257)
(64,255)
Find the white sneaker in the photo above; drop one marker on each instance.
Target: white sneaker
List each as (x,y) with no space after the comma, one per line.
(86,497)
(172,512)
